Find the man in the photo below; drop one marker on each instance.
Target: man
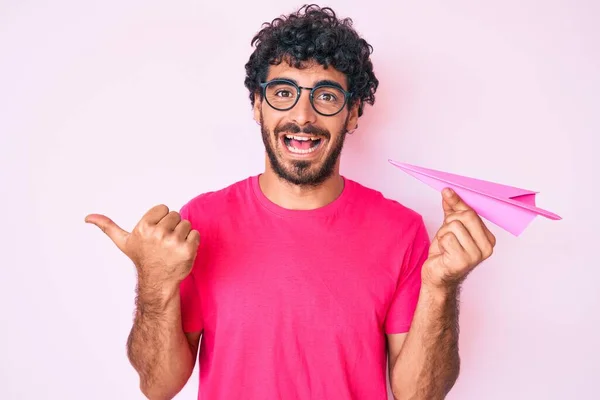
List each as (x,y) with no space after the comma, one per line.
(302,283)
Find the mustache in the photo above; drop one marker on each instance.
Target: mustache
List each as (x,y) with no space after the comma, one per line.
(309,129)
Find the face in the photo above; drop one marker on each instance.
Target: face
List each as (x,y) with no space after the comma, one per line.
(303,147)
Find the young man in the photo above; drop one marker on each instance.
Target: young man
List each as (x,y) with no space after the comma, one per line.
(302,283)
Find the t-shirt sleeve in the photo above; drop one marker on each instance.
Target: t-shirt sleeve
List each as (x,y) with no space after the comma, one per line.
(191,311)
(404,302)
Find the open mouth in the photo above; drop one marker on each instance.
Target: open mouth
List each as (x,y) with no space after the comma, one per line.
(301,144)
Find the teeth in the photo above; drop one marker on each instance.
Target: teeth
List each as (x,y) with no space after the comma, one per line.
(301,138)
(301,151)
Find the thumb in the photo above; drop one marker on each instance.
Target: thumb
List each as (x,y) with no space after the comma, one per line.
(452,202)
(449,200)
(112,230)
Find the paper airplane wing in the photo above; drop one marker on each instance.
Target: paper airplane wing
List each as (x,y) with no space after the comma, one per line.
(509,207)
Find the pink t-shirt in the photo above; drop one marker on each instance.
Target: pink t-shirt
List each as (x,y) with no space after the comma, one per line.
(295,304)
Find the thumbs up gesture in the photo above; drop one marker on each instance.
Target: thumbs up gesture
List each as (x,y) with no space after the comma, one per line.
(462,243)
(162,246)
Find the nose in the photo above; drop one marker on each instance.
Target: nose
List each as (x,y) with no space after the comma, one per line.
(303,113)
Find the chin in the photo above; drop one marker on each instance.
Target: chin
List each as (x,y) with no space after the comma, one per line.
(303,172)
(302,159)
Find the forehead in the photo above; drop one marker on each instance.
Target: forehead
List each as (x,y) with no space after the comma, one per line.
(308,75)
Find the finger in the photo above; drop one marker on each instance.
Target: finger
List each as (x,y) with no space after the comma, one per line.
(451,249)
(434,248)
(447,207)
(170,221)
(154,215)
(453,202)
(469,251)
(491,237)
(483,238)
(183,229)
(112,230)
(193,237)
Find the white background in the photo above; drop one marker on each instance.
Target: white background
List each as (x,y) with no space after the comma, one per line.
(115,106)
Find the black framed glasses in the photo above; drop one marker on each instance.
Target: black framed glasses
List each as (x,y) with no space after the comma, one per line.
(326,98)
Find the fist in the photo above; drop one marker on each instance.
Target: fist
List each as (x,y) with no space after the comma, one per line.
(162,246)
(462,242)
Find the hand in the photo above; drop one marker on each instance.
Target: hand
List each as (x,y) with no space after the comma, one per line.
(162,246)
(462,242)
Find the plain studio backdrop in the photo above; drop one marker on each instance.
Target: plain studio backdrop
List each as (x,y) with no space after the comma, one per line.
(115,106)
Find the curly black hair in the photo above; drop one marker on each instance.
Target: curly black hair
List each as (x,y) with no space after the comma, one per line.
(314,34)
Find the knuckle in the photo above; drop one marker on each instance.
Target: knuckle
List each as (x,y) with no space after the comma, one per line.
(185,224)
(180,248)
(448,238)
(162,208)
(186,252)
(158,233)
(455,224)
(489,250)
(477,255)
(470,216)
(144,228)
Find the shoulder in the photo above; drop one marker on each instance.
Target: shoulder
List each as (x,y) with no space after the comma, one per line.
(217,201)
(385,211)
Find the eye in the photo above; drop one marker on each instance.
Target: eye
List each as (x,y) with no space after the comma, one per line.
(284,93)
(327,97)
(328,94)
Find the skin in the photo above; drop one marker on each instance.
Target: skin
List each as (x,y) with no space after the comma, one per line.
(273,182)
(163,249)
(424,363)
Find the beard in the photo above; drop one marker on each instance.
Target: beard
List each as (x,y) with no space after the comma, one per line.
(301,172)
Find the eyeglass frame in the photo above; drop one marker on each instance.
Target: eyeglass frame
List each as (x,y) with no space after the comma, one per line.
(347,95)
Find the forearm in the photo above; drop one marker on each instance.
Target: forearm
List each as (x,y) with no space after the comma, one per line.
(157,346)
(428,364)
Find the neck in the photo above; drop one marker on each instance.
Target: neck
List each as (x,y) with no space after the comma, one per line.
(294,197)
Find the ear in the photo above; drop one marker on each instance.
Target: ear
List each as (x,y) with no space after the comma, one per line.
(257,106)
(353,117)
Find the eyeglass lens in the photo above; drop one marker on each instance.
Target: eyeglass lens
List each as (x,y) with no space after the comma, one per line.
(326,99)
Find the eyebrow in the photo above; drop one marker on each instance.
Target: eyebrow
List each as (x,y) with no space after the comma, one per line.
(321,82)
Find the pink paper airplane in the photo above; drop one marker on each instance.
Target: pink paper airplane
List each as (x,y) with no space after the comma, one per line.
(509,207)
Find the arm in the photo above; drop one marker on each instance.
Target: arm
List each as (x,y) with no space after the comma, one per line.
(425,363)
(157,347)
(163,248)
